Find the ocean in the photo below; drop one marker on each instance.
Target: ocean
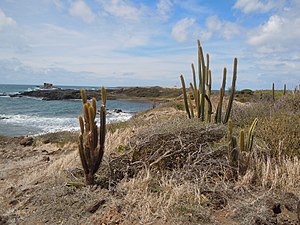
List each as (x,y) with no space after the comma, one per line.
(32,116)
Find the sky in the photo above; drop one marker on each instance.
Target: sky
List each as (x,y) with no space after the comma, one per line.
(146,43)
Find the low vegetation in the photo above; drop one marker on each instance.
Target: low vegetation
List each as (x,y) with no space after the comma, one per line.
(163,166)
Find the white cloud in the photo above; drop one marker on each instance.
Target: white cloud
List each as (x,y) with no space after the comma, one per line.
(224,29)
(6,21)
(121,9)
(164,8)
(80,9)
(251,6)
(280,33)
(58,4)
(180,30)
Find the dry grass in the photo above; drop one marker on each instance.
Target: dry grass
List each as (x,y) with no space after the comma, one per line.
(161,168)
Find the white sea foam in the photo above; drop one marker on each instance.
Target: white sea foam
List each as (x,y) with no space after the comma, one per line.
(9,93)
(42,125)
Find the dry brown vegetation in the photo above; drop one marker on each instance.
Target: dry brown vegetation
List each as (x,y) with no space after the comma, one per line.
(161,168)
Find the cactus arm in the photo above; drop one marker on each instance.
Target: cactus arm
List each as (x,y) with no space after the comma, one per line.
(196,95)
(203,82)
(233,153)
(81,124)
(250,139)
(100,149)
(103,96)
(232,92)
(242,141)
(83,96)
(194,76)
(82,155)
(185,97)
(191,106)
(273,91)
(222,94)
(209,111)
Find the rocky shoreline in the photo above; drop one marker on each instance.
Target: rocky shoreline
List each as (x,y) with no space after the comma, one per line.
(113,94)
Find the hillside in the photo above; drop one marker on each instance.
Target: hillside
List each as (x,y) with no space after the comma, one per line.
(161,168)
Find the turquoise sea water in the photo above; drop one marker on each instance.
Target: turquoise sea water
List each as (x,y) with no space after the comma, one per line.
(31,116)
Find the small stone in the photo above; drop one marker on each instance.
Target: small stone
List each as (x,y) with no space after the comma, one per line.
(46,158)
(290,201)
(27,141)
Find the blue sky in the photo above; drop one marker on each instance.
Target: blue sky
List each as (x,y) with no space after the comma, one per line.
(131,42)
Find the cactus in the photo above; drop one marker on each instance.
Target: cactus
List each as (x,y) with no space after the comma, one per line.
(248,145)
(273,91)
(242,141)
(284,89)
(202,75)
(185,97)
(202,91)
(91,142)
(233,153)
(191,106)
(218,116)
(232,92)
(250,138)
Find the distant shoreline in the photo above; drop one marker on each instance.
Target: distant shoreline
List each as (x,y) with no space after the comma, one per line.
(143,94)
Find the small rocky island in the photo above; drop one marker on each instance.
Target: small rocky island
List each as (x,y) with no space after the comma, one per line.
(134,93)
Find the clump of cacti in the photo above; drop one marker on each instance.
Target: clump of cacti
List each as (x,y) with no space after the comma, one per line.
(249,143)
(234,152)
(91,140)
(202,91)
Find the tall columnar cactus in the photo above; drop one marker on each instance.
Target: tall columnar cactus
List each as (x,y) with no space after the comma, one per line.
(202,91)
(233,152)
(284,89)
(273,91)
(91,141)
(218,115)
(232,92)
(185,98)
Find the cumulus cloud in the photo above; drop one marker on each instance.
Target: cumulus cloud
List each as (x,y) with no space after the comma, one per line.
(164,8)
(121,9)
(224,29)
(180,30)
(80,9)
(278,34)
(254,6)
(6,21)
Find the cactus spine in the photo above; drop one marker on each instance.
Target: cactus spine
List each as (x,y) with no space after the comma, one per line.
(91,143)
(202,91)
